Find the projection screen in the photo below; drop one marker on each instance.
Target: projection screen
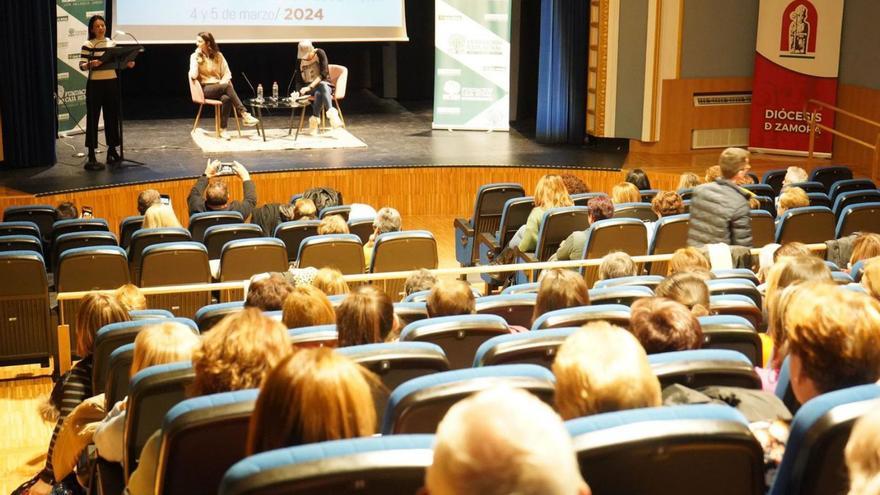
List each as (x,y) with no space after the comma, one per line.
(260,21)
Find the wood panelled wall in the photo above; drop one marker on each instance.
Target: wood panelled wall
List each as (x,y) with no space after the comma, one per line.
(866,103)
(679,117)
(446,191)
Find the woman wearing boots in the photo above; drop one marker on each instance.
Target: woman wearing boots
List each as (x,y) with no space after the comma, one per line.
(102,92)
(208,66)
(312,75)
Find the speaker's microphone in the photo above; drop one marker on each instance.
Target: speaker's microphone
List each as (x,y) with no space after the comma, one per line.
(289,84)
(248,81)
(121,33)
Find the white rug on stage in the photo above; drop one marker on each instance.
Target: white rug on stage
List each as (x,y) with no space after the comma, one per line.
(276,139)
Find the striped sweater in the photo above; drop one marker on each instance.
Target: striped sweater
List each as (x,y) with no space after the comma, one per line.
(93,50)
(69,393)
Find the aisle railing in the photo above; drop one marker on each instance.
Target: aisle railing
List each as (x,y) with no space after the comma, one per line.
(815,126)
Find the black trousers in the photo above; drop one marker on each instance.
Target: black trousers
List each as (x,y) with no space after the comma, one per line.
(102,95)
(227,95)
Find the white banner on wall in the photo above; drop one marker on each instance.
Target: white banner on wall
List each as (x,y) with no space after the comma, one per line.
(472,64)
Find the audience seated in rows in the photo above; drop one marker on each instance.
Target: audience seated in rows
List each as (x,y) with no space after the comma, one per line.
(95,311)
(330,282)
(863,455)
(267,292)
(638,178)
(617,264)
(235,355)
(366,316)
(214,195)
(603,368)
(387,220)
(313,395)
(687,259)
(475,452)
(419,281)
(333,224)
(160,215)
(772,253)
(154,345)
(572,248)
(663,325)
(719,209)
(146,199)
(688,180)
(833,340)
(625,192)
(574,184)
(560,289)
(131,298)
(791,197)
(687,288)
(307,306)
(450,298)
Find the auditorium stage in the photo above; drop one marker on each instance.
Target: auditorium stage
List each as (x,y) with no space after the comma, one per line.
(395,135)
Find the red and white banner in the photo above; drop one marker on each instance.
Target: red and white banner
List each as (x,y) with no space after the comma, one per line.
(797,59)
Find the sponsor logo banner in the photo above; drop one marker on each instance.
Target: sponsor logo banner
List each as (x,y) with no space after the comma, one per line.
(472,64)
(797,59)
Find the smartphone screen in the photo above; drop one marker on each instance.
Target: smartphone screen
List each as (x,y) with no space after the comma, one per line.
(87,212)
(165,199)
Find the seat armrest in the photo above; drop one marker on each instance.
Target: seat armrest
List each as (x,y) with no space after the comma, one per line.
(488,239)
(464,225)
(525,257)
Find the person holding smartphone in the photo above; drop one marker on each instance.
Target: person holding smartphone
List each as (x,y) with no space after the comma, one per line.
(208,195)
(102,92)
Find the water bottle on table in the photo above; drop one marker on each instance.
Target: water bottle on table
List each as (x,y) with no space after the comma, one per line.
(260,93)
(275,91)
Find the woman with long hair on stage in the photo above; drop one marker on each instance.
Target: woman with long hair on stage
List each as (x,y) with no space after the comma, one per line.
(208,66)
(102,92)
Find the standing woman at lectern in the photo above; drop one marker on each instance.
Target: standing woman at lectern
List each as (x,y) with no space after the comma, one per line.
(102,92)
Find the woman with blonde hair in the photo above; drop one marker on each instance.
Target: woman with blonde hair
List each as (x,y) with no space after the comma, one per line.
(314,395)
(330,282)
(131,298)
(688,180)
(236,354)
(686,288)
(560,289)
(866,245)
(625,192)
(863,455)
(603,368)
(333,224)
(306,306)
(549,193)
(791,197)
(788,271)
(75,386)
(687,259)
(154,345)
(366,316)
(160,215)
(304,209)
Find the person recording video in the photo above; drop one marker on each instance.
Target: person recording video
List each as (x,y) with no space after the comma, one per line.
(208,66)
(312,76)
(102,92)
(214,195)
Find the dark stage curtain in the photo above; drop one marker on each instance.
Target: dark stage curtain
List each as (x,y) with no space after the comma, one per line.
(562,72)
(27,82)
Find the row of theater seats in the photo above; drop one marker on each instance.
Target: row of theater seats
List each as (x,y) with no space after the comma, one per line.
(425,383)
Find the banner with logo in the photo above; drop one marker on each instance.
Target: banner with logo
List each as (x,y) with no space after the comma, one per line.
(472,64)
(797,59)
(73,18)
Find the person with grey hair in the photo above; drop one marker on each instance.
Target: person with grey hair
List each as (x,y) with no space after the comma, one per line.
(148,198)
(312,76)
(475,451)
(720,211)
(387,220)
(794,174)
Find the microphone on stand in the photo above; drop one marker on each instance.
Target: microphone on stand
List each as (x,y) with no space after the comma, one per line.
(289,84)
(248,81)
(125,33)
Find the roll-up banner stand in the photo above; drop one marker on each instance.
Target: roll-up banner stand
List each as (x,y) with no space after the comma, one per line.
(472,64)
(72,20)
(797,59)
